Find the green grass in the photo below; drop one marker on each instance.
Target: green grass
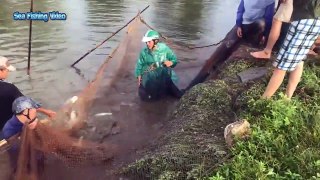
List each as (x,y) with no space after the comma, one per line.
(285,139)
(284,143)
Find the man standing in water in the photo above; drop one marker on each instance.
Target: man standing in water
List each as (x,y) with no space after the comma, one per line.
(9,92)
(154,69)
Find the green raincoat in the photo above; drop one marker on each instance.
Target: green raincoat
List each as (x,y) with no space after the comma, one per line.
(155,58)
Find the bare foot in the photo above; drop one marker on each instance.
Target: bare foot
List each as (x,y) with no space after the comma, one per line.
(261,55)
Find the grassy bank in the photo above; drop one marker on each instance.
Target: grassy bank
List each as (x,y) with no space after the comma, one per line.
(285,138)
(284,141)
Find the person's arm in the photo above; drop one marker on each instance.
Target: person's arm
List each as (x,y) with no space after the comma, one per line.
(139,67)
(268,19)
(170,55)
(240,14)
(240,18)
(47,112)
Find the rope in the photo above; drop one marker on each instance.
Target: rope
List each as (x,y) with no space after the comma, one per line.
(187,46)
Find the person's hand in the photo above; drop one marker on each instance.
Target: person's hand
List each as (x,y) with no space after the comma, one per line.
(51,114)
(283,1)
(152,67)
(239,32)
(139,80)
(168,63)
(33,125)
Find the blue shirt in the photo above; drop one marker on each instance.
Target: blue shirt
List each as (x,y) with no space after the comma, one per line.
(251,10)
(12,127)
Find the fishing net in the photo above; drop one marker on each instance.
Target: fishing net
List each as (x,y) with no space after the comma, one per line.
(155,82)
(58,140)
(43,142)
(77,140)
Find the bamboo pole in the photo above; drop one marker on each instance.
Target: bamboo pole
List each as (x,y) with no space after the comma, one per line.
(113,34)
(30,33)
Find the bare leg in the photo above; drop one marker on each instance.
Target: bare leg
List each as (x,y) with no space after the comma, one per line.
(273,37)
(294,79)
(274,83)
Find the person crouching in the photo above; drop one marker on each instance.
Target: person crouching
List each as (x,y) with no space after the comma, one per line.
(154,69)
(25,114)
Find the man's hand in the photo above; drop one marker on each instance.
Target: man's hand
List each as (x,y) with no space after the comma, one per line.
(51,114)
(33,124)
(168,63)
(139,80)
(239,32)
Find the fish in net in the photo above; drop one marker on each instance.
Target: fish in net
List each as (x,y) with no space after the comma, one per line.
(45,141)
(57,139)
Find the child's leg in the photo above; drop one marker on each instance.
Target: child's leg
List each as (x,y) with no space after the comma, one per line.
(293,50)
(294,79)
(273,37)
(283,14)
(274,83)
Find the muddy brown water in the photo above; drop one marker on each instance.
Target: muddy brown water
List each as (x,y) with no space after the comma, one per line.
(133,125)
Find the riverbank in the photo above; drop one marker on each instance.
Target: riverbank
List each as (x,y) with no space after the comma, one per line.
(194,147)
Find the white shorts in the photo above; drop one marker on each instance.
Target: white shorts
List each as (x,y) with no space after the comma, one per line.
(300,37)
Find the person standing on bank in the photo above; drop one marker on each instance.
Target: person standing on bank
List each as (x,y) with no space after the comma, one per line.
(303,32)
(9,92)
(154,69)
(283,14)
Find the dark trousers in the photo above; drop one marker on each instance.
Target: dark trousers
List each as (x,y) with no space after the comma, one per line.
(169,89)
(252,33)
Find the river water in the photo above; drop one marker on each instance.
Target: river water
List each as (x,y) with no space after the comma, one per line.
(57,44)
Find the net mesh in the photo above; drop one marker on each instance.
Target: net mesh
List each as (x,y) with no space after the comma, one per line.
(44,141)
(60,139)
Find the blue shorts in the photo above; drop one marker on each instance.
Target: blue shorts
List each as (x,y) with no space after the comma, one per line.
(301,36)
